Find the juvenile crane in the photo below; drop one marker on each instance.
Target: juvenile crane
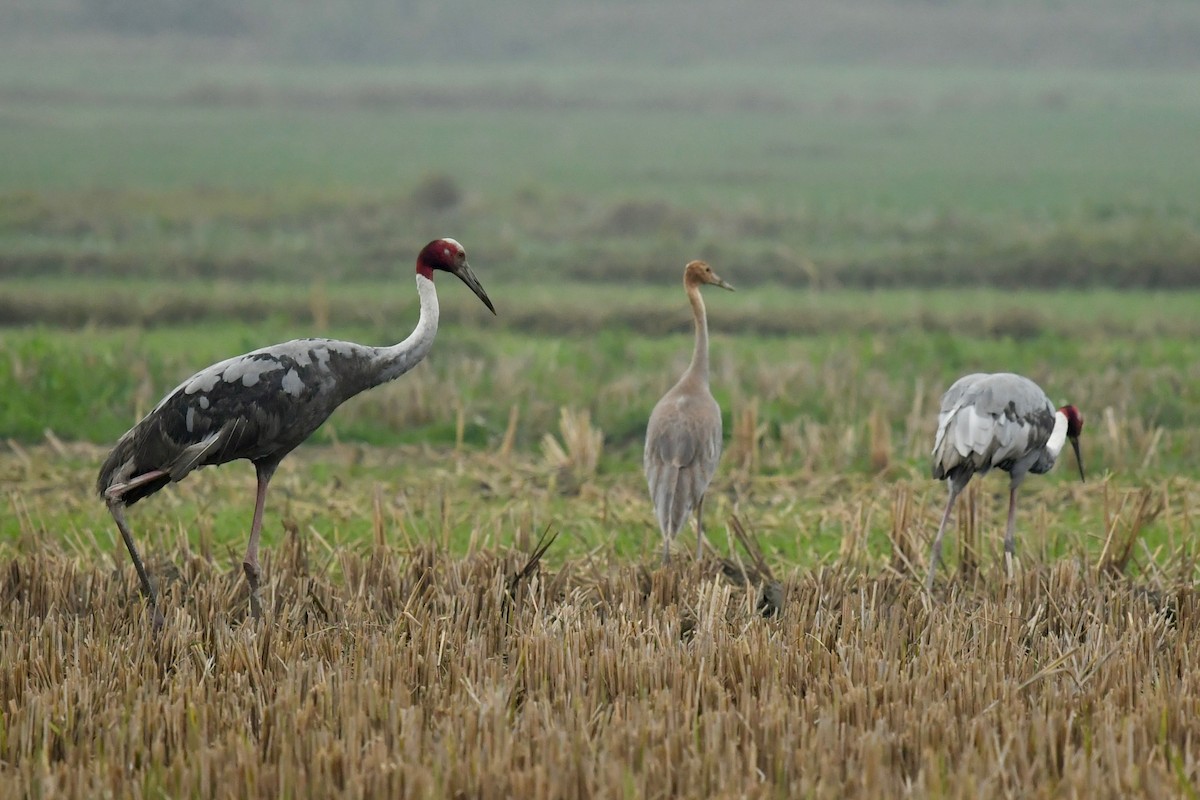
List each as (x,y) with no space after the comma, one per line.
(683,438)
(260,406)
(998,420)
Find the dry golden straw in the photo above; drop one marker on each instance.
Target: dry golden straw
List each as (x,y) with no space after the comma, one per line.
(389,674)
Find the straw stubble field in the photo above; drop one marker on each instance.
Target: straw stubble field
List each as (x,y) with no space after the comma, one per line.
(395,665)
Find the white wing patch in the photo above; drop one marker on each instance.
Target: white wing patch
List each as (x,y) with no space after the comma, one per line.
(965,435)
(203,381)
(975,432)
(292,384)
(945,418)
(250,370)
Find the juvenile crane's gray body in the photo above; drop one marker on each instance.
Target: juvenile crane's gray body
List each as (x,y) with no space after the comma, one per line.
(1001,421)
(260,406)
(683,437)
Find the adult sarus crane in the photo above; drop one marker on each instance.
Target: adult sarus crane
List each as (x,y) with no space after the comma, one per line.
(683,438)
(260,406)
(998,420)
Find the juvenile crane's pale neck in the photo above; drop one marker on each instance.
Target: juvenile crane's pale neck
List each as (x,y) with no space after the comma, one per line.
(390,363)
(1058,436)
(699,366)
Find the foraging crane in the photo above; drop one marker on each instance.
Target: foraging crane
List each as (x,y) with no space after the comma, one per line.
(683,438)
(260,406)
(998,420)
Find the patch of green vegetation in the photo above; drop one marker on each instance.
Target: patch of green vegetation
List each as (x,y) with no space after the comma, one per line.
(348,496)
(812,395)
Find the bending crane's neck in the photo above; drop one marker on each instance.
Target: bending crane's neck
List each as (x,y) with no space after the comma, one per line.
(699,366)
(1058,436)
(392,362)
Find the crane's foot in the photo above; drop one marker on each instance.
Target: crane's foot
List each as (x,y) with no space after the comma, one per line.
(252,573)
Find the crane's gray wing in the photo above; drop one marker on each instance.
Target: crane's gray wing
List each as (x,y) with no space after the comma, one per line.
(683,446)
(952,401)
(990,421)
(256,406)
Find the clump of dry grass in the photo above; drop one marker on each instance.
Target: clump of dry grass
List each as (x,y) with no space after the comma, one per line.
(574,459)
(746,440)
(1124,520)
(419,674)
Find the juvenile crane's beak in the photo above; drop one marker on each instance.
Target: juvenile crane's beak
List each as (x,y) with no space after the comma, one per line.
(1078,458)
(718,281)
(466,276)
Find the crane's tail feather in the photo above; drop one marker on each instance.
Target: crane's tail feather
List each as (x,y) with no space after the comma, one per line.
(966,440)
(674,492)
(139,452)
(121,466)
(193,456)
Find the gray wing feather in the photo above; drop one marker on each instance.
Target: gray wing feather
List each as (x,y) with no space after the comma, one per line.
(990,421)
(257,406)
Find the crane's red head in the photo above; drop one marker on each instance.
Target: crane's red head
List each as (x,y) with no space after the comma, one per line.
(449,256)
(1074,421)
(1074,428)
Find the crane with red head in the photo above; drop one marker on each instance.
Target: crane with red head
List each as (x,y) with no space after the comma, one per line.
(260,406)
(1002,421)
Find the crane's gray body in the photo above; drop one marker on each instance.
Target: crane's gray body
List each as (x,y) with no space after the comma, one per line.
(258,406)
(683,446)
(990,421)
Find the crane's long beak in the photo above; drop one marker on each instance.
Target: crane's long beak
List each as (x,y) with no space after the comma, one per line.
(466,276)
(718,281)
(1078,458)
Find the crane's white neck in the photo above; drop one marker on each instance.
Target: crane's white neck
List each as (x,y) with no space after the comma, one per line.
(392,362)
(1058,436)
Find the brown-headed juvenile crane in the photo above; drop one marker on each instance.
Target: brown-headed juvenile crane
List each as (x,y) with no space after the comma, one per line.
(260,406)
(998,420)
(683,439)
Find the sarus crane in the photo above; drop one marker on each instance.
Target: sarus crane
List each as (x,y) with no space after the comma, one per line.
(260,406)
(683,438)
(998,420)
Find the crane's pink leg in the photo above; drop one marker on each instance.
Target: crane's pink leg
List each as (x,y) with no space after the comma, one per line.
(935,554)
(250,562)
(1010,533)
(116,507)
